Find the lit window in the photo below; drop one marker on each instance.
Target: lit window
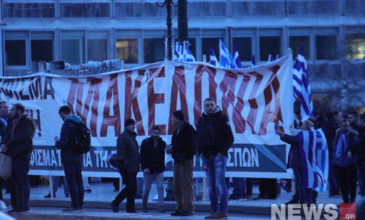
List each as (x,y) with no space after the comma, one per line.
(355,46)
(127,49)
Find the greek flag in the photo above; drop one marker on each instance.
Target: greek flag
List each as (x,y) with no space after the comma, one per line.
(225,58)
(213,59)
(237,59)
(301,86)
(187,54)
(177,56)
(314,156)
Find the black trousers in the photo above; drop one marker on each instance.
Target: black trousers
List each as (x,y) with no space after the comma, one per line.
(19,183)
(347,180)
(75,184)
(129,191)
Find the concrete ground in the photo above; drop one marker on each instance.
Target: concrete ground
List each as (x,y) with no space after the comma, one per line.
(97,205)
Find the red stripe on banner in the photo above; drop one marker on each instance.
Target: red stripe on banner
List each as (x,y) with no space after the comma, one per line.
(92,96)
(131,101)
(154,98)
(238,120)
(112,101)
(252,115)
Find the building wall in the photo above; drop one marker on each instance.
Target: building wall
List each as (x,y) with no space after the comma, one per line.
(332,33)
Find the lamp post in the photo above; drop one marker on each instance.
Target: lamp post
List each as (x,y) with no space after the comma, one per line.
(168,4)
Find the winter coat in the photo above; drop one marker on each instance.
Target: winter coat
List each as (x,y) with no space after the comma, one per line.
(352,141)
(68,156)
(127,147)
(18,139)
(184,143)
(294,160)
(153,157)
(214,134)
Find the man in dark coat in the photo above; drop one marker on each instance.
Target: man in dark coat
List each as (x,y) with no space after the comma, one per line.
(360,152)
(127,148)
(17,143)
(182,149)
(215,137)
(4,113)
(71,161)
(153,164)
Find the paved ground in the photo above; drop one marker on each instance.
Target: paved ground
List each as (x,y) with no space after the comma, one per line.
(97,205)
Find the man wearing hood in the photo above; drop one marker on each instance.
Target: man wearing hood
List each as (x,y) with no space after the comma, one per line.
(71,161)
(214,137)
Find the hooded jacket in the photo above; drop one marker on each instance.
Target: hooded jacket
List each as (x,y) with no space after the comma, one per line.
(214,134)
(68,155)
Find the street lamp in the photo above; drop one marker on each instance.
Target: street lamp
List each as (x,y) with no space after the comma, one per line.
(168,4)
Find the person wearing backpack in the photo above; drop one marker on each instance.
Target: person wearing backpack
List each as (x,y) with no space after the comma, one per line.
(71,157)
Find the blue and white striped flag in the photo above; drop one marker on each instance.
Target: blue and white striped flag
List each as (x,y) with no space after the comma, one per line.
(213,58)
(177,56)
(237,59)
(225,58)
(301,86)
(187,54)
(314,156)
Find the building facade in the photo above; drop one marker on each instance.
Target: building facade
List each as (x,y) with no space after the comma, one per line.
(332,33)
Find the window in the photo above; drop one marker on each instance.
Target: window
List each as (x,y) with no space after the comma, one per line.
(29,10)
(244,47)
(269,45)
(208,43)
(326,47)
(355,46)
(154,49)
(127,49)
(297,42)
(80,10)
(42,50)
(15,52)
(97,49)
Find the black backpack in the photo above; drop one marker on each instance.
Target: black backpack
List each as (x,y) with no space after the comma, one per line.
(81,140)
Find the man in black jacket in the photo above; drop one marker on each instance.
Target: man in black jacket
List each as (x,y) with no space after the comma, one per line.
(71,161)
(17,143)
(215,137)
(127,148)
(153,164)
(182,149)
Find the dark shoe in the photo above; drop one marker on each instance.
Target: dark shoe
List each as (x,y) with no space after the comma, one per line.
(22,210)
(131,211)
(233,197)
(218,215)
(177,213)
(212,214)
(114,207)
(187,214)
(13,210)
(66,195)
(71,209)
(49,195)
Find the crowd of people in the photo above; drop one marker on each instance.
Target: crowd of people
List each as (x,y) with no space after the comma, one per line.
(211,139)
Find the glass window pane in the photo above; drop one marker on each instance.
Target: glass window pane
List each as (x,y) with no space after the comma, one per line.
(72,10)
(244,47)
(127,49)
(154,50)
(42,50)
(97,49)
(297,42)
(208,43)
(15,54)
(269,45)
(71,50)
(355,46)
(326,47)
(29,10)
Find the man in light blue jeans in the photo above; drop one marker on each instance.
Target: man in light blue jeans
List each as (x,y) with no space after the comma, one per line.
(152,157)
(214,137)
